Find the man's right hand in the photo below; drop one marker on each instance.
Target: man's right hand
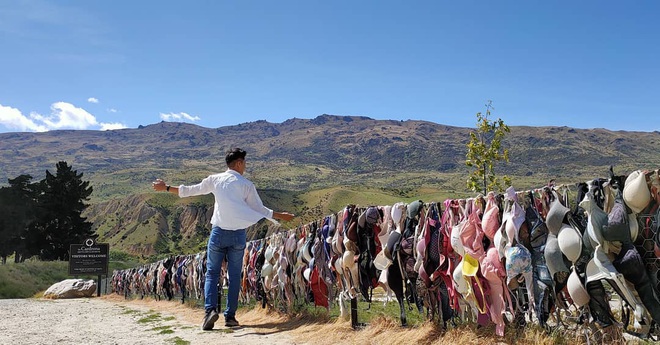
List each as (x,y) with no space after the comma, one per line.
(159,185)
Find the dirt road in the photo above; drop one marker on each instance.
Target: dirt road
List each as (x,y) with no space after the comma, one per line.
(114,321)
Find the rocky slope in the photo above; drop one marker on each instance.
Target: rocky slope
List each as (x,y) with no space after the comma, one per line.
(295,155)
(121,160)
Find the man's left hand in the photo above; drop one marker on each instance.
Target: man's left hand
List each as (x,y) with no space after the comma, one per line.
(285,216)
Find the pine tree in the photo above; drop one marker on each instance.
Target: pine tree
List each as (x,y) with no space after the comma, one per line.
(61,203)
(17,206)
(6,233)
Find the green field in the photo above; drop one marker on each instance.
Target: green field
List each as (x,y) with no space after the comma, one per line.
(31,278)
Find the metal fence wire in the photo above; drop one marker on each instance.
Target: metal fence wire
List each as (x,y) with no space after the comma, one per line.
(645,244)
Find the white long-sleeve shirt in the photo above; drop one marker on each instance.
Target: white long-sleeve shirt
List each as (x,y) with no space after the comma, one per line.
(237,203)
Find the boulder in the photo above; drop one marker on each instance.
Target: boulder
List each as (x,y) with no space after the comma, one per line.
(71,288)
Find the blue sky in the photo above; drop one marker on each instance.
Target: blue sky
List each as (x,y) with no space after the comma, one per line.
(113,64)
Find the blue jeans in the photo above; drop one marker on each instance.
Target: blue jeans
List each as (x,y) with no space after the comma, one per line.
(229,244)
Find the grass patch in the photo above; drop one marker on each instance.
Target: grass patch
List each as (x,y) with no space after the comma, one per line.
(27,279)
(153,317)
(367,313)
(178,341)
(194,303)
(130,311)
(169,318)
(32,277)
(163,329)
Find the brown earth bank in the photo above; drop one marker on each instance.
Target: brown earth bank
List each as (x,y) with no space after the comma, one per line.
(114,320)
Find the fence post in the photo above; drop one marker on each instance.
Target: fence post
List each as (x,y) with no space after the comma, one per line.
(354,313)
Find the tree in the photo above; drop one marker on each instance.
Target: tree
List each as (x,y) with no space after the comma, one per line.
(484,150)
(17,206)
(6,234)
(60,222)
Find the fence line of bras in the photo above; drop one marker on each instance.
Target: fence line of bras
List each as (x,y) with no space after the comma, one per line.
(524,256)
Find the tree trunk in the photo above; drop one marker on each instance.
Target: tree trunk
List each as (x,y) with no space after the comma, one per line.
(485,182)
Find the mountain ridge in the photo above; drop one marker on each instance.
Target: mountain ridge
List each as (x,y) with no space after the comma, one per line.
(353,143)
(295,165)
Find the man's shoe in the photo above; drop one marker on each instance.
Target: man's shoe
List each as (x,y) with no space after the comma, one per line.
(231,322)
(209,320)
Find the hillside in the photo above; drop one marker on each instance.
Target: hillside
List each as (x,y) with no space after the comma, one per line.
(157,223)
(309,167)
(300,154)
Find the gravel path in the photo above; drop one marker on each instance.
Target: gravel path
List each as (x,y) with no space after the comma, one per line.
(114,321)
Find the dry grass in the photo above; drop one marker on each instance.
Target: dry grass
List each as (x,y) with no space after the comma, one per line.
(319,329)
(387,331)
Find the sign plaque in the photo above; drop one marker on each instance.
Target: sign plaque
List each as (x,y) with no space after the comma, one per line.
(90,258)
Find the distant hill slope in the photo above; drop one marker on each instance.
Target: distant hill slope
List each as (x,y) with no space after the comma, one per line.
(309,167)
(299,154)
(160,223)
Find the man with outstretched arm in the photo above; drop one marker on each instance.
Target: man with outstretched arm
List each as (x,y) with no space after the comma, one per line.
(237,206)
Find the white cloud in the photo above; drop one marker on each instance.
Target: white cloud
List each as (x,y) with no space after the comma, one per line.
(93,100)
(12,118)
(110,126)
(178,117)
(66,115)
(112,110)
(63,116)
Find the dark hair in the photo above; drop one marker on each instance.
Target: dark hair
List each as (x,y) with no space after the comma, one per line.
(234,154)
